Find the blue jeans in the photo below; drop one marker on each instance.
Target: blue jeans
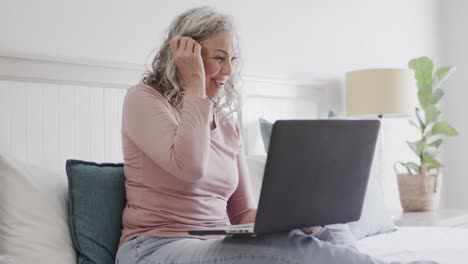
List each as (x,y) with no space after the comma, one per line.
(335,244)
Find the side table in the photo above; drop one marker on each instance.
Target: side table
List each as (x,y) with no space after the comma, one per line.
(442,217)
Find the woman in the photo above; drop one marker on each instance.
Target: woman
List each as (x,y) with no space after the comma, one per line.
(185,163)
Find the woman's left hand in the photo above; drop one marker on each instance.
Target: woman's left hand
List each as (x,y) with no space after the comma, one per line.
(309,230)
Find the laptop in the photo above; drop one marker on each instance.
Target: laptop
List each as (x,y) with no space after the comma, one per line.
(316,174)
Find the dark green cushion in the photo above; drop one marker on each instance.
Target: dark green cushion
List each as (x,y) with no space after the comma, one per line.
(95,205)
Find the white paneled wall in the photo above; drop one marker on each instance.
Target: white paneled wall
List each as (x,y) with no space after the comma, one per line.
(48,123)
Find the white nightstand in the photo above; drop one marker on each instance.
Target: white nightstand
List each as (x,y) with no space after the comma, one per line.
(443,217)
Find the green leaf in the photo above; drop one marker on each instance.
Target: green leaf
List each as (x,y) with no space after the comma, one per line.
(427,135)
(424,95)
(430,159)
(432,113)
(413,147)
(423,68)
(436,143)
(443,128)
(418,116)
(417,147)
(432,151)
(431,167)
(437,95)
(412,166)
(414,124)
(442,74)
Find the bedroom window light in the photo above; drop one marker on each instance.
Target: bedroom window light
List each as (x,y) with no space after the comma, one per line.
(385,92)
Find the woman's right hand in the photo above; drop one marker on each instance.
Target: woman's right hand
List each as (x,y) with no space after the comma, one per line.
(187,56)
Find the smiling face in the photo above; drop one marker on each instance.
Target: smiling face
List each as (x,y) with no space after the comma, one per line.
(219,55)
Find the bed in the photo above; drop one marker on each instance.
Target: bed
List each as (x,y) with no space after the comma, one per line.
(52,110)
(438,244)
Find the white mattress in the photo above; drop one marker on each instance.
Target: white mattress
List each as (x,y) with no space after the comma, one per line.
(440,244)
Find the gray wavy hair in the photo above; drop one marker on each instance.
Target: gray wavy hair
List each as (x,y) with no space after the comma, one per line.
(200,24)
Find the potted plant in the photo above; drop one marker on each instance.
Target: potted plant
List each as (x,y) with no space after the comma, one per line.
(420,184)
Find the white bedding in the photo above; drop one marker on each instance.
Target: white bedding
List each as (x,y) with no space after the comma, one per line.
(441,244)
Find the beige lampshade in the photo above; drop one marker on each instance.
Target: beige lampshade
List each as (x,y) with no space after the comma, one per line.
(386,92)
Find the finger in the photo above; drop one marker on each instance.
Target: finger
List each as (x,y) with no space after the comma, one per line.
(183,44)
(190,44)
(174,44)
(196,48)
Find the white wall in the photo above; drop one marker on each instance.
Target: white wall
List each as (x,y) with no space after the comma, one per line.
(298,40)
(455,52)
(289,38)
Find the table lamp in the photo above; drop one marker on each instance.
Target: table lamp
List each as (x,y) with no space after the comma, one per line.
(381,93)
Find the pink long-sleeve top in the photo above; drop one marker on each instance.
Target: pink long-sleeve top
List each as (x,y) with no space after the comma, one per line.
(180,174)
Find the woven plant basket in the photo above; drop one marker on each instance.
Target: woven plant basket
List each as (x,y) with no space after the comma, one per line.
(419,192)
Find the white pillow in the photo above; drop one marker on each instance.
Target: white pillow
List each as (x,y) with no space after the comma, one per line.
(33,214)
(256,164)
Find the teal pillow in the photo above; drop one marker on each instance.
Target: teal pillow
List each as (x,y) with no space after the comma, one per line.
(95,203)
(265,131)
(375,218)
